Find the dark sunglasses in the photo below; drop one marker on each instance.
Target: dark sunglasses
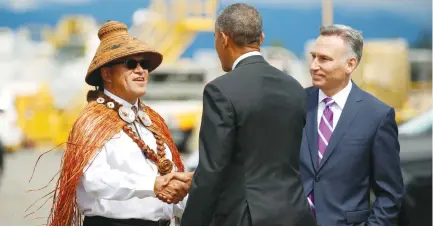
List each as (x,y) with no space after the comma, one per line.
(132,63)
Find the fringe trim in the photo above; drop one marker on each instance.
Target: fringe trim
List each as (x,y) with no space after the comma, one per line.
(93,128)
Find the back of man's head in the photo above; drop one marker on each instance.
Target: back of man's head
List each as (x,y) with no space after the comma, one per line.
(242,23)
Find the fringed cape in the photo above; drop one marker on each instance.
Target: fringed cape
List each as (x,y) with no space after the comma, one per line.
(94,127)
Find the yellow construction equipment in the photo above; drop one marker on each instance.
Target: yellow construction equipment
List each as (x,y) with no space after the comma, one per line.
(70,30)
(384,71)
(170,32)
(176,24)
(37,117)
(43,123)
(420,89)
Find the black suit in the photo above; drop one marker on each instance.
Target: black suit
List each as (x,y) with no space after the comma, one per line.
(250,137)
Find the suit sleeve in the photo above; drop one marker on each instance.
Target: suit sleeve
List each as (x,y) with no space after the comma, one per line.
(387,177)
(217,136)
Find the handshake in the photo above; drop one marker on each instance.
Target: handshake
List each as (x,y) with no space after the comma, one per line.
(173,187)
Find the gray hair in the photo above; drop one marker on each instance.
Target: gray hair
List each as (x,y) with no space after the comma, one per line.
(241,22)
(349,35)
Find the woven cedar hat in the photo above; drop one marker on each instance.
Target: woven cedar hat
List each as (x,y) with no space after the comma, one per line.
(117,43)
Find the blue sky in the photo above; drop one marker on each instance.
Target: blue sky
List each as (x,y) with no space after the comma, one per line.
(290,22)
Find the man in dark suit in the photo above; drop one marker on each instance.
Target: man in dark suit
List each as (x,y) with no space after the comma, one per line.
(350,143)
(250,135)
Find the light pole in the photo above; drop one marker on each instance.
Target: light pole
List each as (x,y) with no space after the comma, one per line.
(327,13)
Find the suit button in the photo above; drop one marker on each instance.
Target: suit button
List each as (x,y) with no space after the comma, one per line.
(317,179)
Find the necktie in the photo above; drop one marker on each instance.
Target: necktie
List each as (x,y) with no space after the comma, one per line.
(324,136)
(325,127)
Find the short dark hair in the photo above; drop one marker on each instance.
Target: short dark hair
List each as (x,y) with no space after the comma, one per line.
(241,22)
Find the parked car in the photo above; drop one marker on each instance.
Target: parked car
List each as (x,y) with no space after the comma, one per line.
(2,153)
(416,163)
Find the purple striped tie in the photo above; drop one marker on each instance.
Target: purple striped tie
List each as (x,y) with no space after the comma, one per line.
(324,136)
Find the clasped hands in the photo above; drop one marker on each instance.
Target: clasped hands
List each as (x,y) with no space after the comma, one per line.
(173,187)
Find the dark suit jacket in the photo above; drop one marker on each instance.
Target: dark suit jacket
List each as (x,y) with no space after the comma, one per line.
(363,154)
(250,136)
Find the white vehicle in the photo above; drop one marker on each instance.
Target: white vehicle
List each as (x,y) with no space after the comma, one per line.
(175,92)
(10,133)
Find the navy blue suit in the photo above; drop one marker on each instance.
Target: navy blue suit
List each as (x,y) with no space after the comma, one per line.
(363,154)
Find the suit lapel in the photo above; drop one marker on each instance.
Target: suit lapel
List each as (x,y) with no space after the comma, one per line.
(311,129)
(348,114)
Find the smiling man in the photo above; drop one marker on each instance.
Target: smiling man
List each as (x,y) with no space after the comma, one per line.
(350,142)
(120,158)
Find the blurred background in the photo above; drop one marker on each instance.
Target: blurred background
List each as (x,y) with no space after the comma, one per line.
(47,45)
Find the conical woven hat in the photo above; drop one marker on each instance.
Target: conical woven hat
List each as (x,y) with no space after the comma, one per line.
(116,43)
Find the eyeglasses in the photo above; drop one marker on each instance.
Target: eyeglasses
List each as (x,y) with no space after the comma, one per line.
(132,63)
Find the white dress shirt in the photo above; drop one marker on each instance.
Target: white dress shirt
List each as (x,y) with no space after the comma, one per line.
(243,56)
(118,182)
(340,100)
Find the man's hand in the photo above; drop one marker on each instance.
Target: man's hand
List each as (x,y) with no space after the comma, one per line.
(173,187)
(174,192)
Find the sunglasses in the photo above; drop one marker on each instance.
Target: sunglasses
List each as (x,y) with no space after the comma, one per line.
(132,63)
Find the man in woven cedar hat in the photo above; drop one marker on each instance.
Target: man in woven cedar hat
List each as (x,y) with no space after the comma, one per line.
(120,157)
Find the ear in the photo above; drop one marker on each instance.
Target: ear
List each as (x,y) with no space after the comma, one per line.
(105,74)
(225,39)
(351,65)
(262,38)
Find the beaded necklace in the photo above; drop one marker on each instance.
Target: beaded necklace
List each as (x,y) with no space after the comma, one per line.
(165,166)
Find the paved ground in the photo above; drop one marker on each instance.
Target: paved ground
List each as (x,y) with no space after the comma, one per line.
(14,198)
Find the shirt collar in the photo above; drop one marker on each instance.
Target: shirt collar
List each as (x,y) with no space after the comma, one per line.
(243,56)
(340,98)
(120,100)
